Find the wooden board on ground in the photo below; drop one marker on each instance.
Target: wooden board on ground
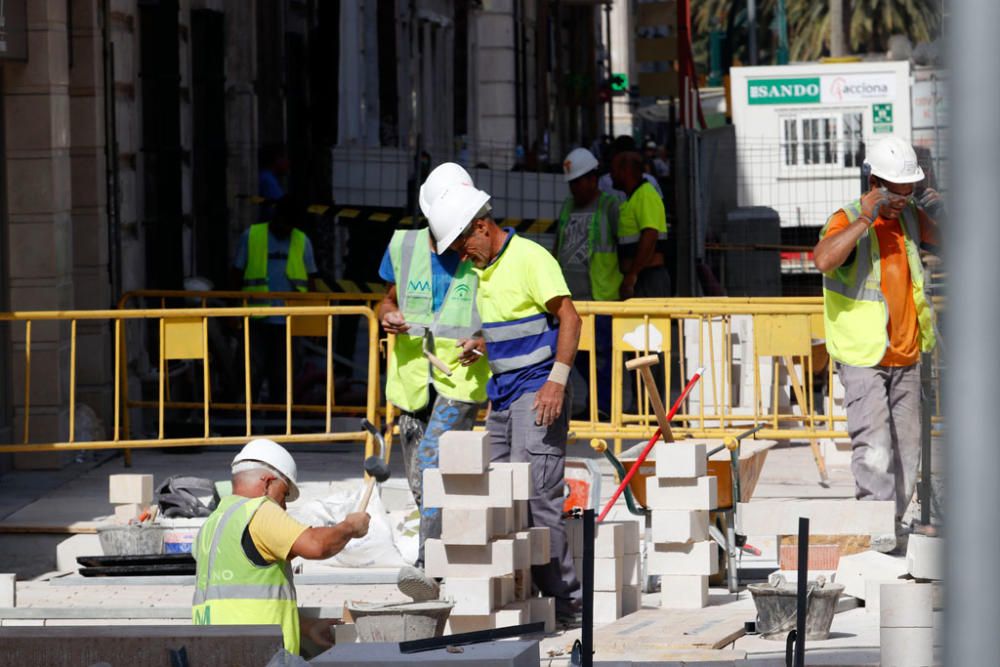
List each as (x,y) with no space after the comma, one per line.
(709,628)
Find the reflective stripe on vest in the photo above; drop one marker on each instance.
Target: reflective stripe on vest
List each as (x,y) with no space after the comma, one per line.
(602,249)
(458,317)
(520,343)
(855,314)
(229,588)
(255,272)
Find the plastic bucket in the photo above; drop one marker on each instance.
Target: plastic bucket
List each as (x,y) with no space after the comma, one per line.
(777,607)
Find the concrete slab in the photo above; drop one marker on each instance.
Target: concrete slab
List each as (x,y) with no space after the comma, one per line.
(853,571)
(826,517)
(519,653)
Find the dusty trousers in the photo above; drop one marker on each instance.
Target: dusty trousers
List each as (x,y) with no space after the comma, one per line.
(419,438)
(883,419)
(515,437)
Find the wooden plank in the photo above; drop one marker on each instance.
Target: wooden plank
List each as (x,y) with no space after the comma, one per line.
(51,529)
(657,49)
(709,628)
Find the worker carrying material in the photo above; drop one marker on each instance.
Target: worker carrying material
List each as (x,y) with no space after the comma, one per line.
(878,319)
(430,305)
(532,331)
(243,551)
(587,250)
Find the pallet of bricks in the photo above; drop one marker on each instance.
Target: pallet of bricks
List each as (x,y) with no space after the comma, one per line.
(486,548)
(617,566)
(680,497)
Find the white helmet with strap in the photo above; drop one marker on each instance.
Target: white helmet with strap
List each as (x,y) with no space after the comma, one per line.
(272,455)
(894,160)
(440,179)
(452,212)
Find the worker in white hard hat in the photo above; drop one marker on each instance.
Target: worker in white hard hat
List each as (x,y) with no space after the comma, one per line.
(244,549)
(430,306)
(879,320)
(532,331)
(587,250)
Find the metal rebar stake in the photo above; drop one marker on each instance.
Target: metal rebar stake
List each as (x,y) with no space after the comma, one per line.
(801,607)
(587,630)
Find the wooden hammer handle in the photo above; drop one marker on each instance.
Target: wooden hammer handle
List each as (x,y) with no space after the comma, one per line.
(363,505)
(437,363)
(657,402)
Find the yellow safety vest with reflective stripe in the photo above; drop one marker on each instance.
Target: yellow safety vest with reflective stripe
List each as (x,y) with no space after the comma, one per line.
(602,246)
(854,309)
(255,272)
(409,371)
(232,590)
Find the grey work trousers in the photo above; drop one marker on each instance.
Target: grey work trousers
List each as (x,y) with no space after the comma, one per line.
(883,419)
(419,438)
(514,436)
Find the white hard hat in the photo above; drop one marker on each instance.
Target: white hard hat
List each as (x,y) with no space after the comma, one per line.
(579,162)
(895,161)
(275,456)
(452,212)
(440,179)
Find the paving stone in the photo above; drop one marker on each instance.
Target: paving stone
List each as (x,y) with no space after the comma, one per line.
(508,653)
(683,591)
(464,452)
(680,460)
(124,489)
(679,526)
(492,489)
(681,494)
(695,558)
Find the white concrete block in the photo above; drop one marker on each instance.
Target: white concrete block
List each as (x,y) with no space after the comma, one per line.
(854,570)
(826,517)
(345,633)
(503,520)
(523,584)
(521,518)
(608,574)
(873,592)
(680,460)
(681,494)
(631,535)
(632,570)
(464,452)
(503,590)
(607,606)
(515,613)
(907,606)
(8,590)
(129,512)
(459,624)
(683,592)
(609,540)
(124,489)
(467,526)
(493,560)
(541,549)
(925,557)
(472,596)
(907,647)
(543,610)
(695,558)
(523,487)
(631,599)
(68,550)
(679,526)
(492,489)
(522,550)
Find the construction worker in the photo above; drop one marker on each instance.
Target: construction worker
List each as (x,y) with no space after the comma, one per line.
(587,250)
(273,256)
(430,306)
(274,167)
(244,549)
(623,144)
(878,320)
(642,231)
(531,332)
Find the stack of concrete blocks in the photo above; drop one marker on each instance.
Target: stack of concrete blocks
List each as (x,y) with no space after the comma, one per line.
(486,548)
(680,497)
(617,566)
(906,627)
(131,495)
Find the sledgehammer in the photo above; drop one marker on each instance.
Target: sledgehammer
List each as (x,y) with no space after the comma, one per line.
(375,466)
(643,364)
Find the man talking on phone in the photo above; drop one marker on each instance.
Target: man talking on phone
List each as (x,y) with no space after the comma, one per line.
(879,319)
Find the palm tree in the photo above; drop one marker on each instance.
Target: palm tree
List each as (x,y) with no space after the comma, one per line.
(870,24)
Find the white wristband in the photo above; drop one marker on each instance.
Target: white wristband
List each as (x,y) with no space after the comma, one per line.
(559,373)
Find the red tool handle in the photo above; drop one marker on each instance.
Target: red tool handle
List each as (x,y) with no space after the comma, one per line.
(649,446)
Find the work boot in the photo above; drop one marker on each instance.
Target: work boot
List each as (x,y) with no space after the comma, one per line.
(414,583)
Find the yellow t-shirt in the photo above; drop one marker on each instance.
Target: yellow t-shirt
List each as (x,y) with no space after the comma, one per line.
(274,531)
(643,210)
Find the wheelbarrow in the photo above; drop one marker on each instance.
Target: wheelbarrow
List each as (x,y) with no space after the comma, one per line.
(736,464)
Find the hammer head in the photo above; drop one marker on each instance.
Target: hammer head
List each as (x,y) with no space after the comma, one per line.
(648,360)
(377,468)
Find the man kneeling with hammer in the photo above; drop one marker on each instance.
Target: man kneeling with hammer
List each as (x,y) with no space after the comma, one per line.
(244,576)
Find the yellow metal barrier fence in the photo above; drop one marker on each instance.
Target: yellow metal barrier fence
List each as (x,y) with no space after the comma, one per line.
(183,335)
